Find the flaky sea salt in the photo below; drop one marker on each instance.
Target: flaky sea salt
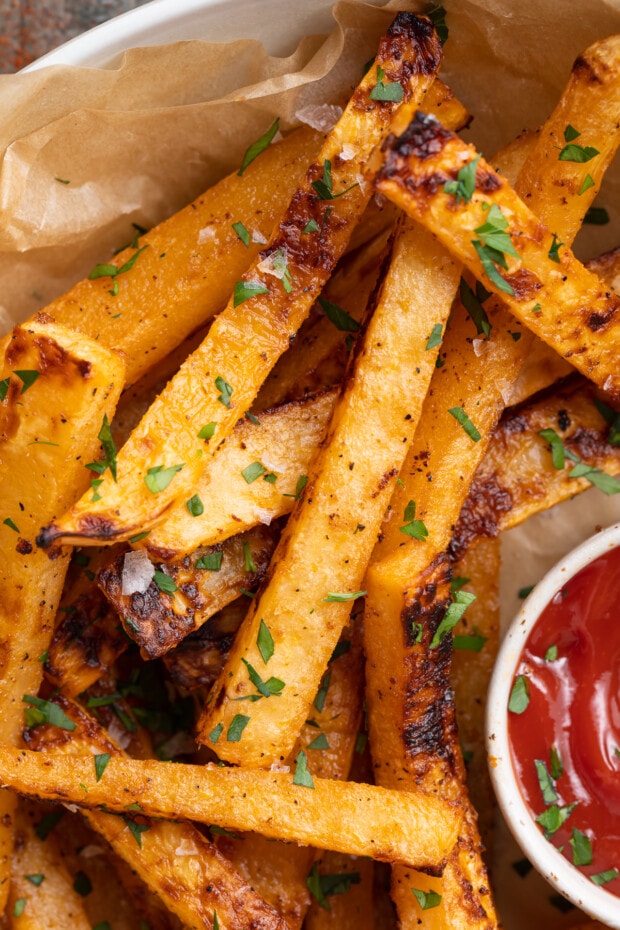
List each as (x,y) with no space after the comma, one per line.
(138,571)
(320,116)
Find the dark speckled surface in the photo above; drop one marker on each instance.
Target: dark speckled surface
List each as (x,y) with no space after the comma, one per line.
(30,28)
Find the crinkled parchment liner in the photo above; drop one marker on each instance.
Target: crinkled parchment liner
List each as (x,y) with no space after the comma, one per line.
(138,140)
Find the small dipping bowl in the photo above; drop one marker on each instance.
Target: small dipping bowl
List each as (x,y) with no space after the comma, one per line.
(526,658)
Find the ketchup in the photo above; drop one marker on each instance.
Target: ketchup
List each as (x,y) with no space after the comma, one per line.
(572,720)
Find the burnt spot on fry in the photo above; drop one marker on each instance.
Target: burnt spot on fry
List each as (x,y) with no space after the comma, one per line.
(598,321)
(423,138)
(524,283)
(488,500)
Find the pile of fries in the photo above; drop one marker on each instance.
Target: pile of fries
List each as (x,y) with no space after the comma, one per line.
(271,445)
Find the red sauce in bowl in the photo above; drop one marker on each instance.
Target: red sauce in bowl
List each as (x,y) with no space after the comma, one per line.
(565,743)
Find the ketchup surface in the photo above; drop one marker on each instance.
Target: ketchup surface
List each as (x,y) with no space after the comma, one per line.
(574,707)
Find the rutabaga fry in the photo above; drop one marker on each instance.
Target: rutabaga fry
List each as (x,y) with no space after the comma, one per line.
(189,264)
(42,458)
(506,246)
(165,455)
(174,859)
(363,820)
(319,566)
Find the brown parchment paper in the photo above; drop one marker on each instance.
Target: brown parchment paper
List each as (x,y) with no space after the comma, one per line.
(139,139)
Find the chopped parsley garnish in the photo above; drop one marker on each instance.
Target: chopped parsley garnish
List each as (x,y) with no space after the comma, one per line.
(242,233)
(112,271)
(195,507)
(215,733)
(211,562)
(582,848)
(553,817)
(321,696)
(164,582)
(322,887)
(437,15)
(95,483)
(255,149)
(427,899)
(45,826)
(472,642)
(82,884)
(435,337)
(37,879)
(588,182)
(264,642)
(158,478)
(611,417)
(11,524)
(557,446)
(489,258)
(248,562)
(136,829)
(302,481)
(570,133)
(244,290)
(523,592)
(519,696)
(207,431)
(311,227)
(253,471)
(462,600)
(41,712)
(225,390)
(339,317)
(465,184)
(101,761)
(216,923)
(461,417)
(473,304)
(138,537)
(603,878)
(556,764)
(236,727)
(597,216)
(386,90)
(27,378)
(547,788)
(553,253)
(273,686)
(302,776)
(417,631)
(412,527)
(319,742)
(551,654)
(324,186)
(4,388)
(578,153)
(18,908)
(344,596)
(109,450)
(605,483)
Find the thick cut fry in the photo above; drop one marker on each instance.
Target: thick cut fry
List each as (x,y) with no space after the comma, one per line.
(157,620)
(42,457)
(518,477)
(321,560)
(544,285)
(278,871)
(190,262)
(52,903)
(164,457)
(175,861)
(362,820)
(475,644)
(197,661)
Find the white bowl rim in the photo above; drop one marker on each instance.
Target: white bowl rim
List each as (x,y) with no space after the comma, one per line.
(558,871)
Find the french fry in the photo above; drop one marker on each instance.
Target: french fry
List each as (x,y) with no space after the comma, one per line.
(465,400)
(42,458)
(518,478)
(157,619)
(164,457)
(475,644)
(363,820)
(42,895)
(175,861)
(321,559)
(544,285)
(190,262)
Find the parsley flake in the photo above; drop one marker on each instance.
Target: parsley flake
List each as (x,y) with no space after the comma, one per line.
(273,686)
(319,742)
(578,153)
(460,603)
(101,761)
(302,481)
(464,186)
(242,233)
(164,582)
(553,817)
(11,524)
(582,848)
(557,446)
(211,562)
(596,216)
(519,696)
(427,899)
(215,733)
(344,596)
(41,712)
(324,186)
(27,378)
(255,149)
(339,317)
(547,788)
(602,878)
(195,507)
(109,450)
(244,290)
(19,907)
(264,642)
(414,528)
(461,417)
(435,337)
(225,391)
(551,654)
(82,884)
(302,776)
(437,15)
(605,483)
(253,471)
(391,91)
(158,478)
(322,887)
(37,879)
(587,183)
(236,727)
(207,431)
(136,829)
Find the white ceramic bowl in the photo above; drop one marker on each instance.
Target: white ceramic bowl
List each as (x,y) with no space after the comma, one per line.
(558,871)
